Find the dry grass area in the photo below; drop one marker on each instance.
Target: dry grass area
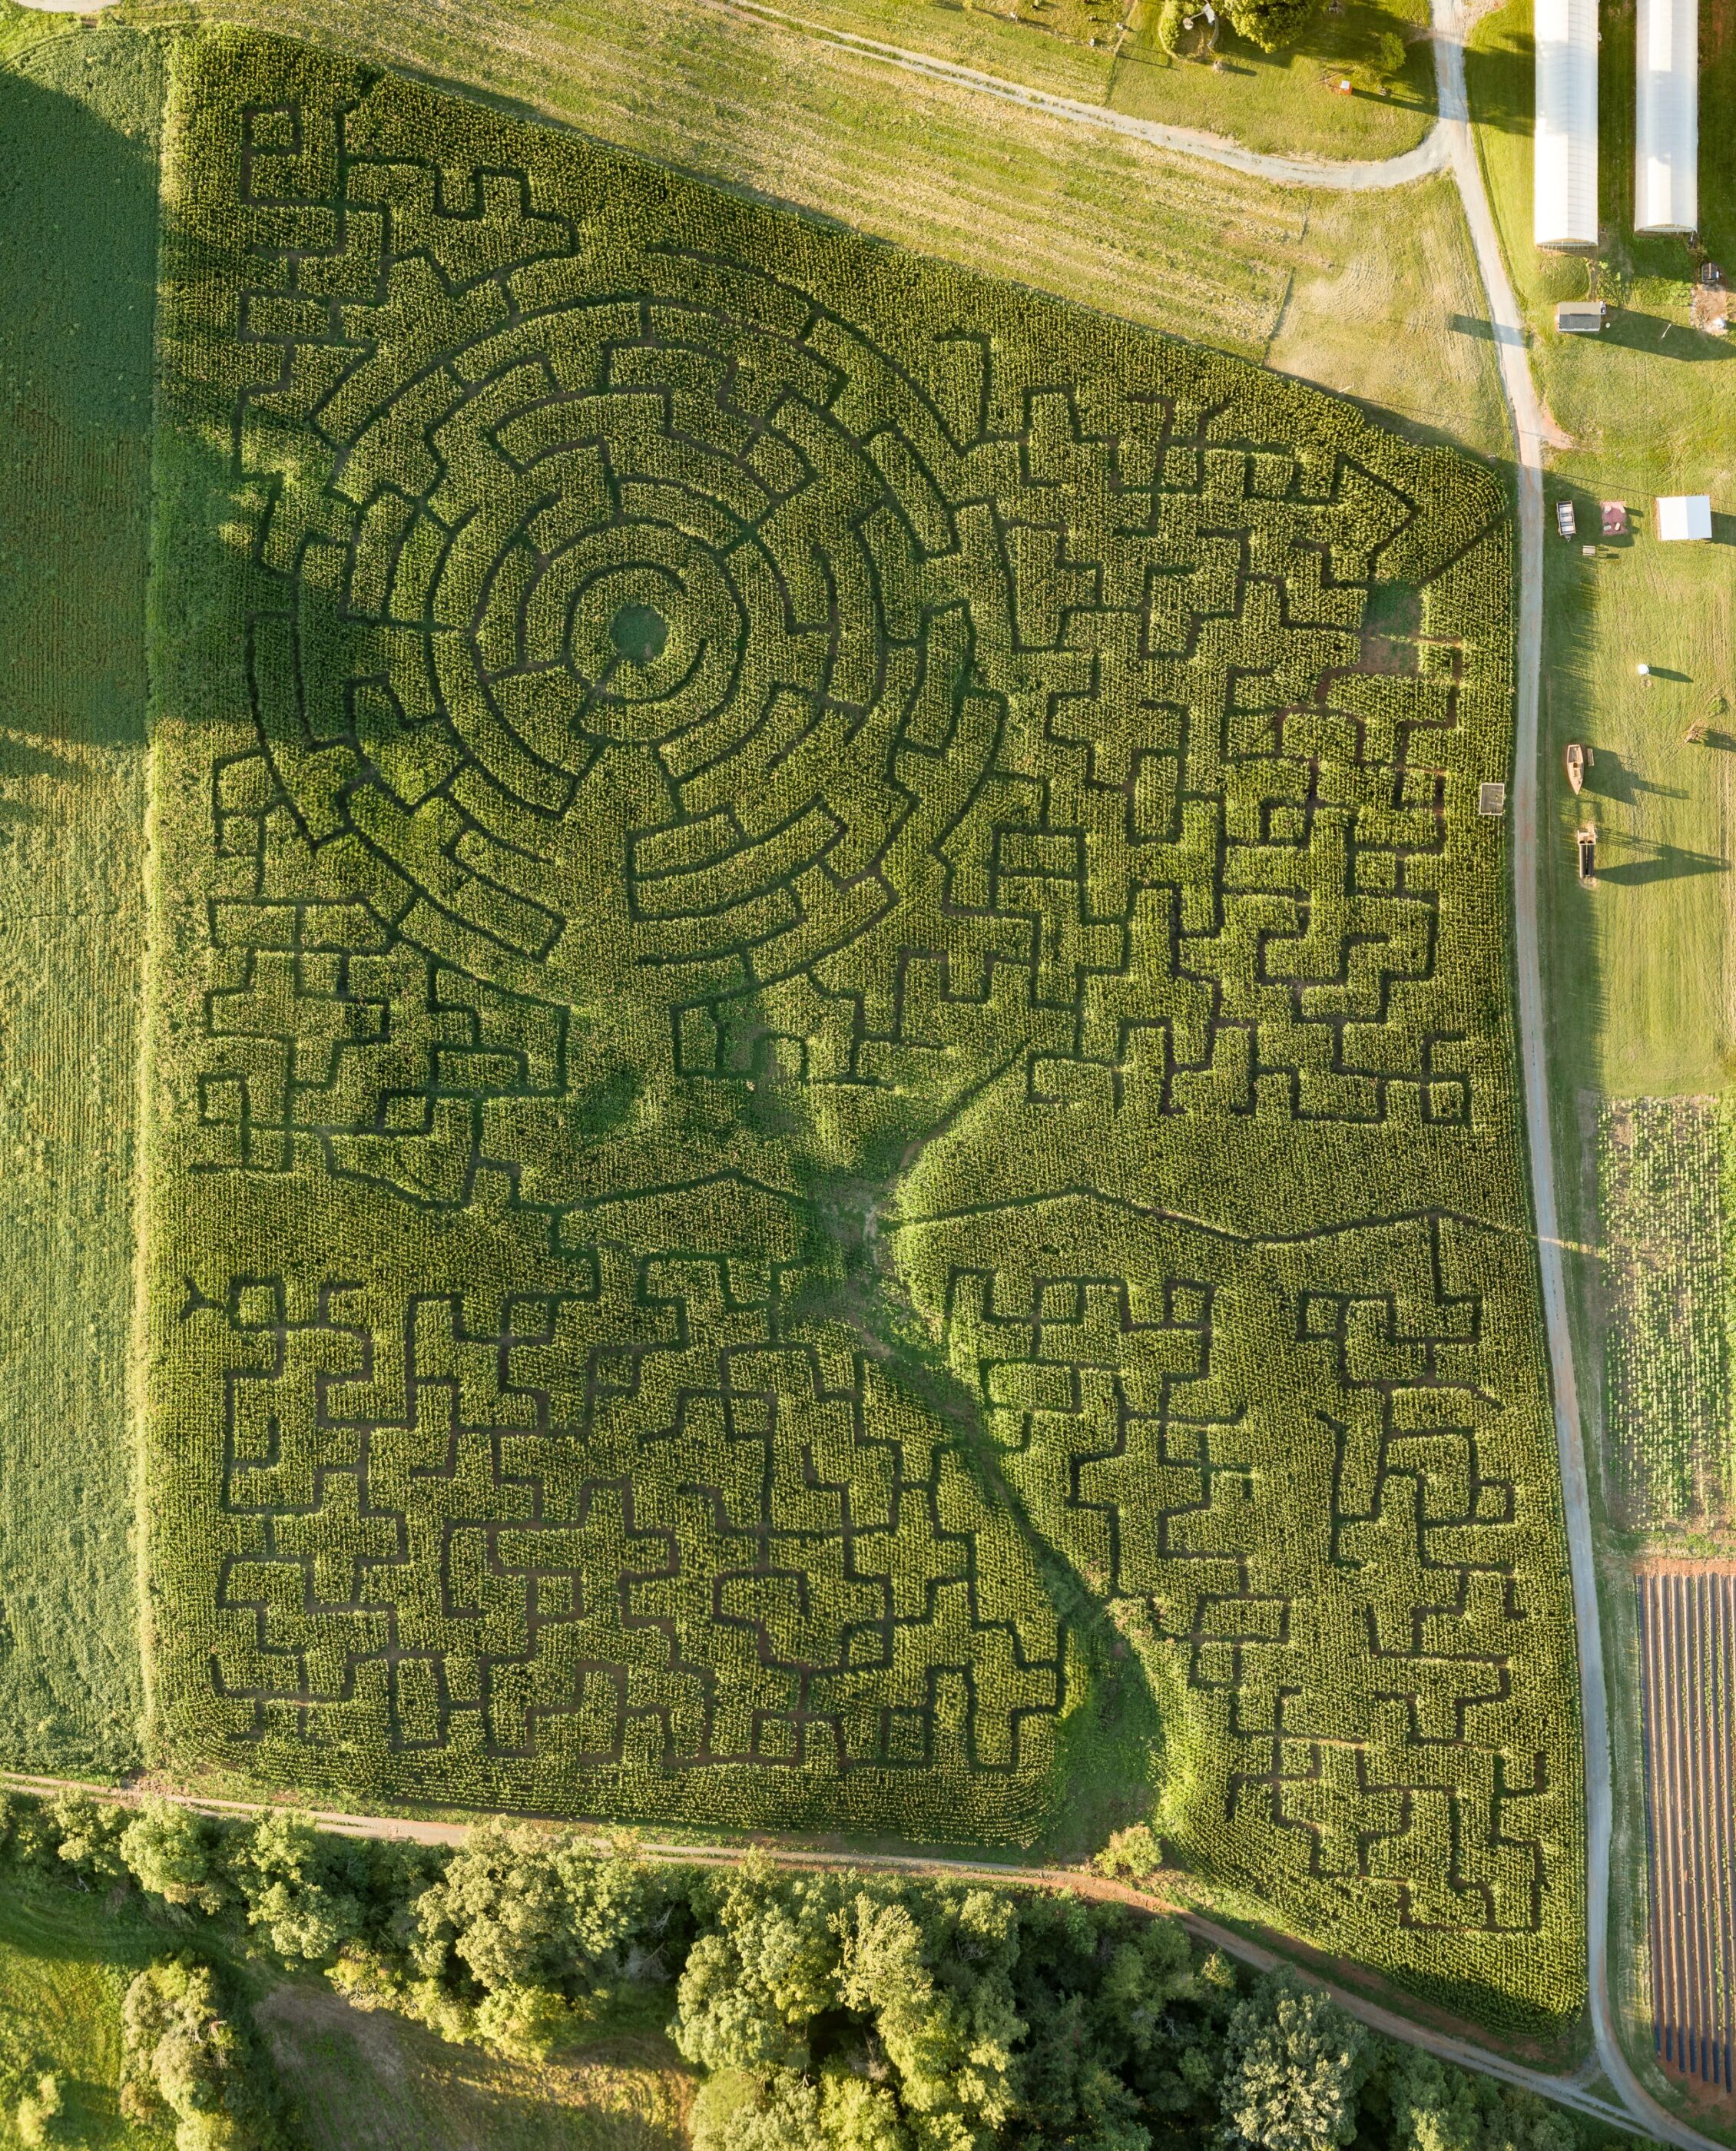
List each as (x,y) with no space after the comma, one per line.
(1386,306)
(374,2082)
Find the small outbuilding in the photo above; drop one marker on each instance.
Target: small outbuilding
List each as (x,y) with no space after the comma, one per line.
(1564,193)
(1581,316)
(1684,516)
(1491,798)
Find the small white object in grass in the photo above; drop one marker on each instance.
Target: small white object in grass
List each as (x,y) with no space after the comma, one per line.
(1644,671)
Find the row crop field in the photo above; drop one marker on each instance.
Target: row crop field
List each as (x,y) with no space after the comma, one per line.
(1661,1176)
(1688,1663)
(832,1138)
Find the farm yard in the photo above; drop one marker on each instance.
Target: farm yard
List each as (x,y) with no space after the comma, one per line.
(1688,1639)
(842,968)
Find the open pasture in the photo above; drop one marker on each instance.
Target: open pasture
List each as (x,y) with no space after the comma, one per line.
(1688,1646)
(834,1140)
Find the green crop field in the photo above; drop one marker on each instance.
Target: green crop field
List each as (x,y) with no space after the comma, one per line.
(832,1139)
(78,121)
(1661,1180)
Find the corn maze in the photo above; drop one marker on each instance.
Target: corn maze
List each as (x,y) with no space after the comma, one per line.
(1688,1663)
(834,1121)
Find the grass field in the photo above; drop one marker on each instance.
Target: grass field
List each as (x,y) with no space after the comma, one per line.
(1286,102)
(78,235)
(378,2082)
(1640,966)
(64,1966)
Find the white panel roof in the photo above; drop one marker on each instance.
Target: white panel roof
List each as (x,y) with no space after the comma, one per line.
(1565,203)
(1667,117)
(1684,515)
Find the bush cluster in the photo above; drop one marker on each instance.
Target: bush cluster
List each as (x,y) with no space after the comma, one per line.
(836,2011)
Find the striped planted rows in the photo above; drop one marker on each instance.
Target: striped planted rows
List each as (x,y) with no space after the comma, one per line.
(1687,1642)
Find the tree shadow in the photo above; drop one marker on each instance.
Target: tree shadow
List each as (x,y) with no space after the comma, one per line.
(1609,778)
(1661,863)
(1657,338)
(78,264)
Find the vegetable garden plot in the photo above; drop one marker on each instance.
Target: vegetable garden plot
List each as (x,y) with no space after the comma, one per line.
(1666,1386)
(834,1142)
(1687,1664)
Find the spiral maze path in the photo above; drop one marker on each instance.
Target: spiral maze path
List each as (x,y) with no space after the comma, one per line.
(699,743)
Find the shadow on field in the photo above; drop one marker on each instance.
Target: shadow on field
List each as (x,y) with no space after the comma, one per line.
(1610,778)
(78,296)
(1659,862)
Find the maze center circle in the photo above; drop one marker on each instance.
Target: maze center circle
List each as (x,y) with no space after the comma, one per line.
(640,633)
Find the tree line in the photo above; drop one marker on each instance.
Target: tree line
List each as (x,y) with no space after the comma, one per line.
(831,2012)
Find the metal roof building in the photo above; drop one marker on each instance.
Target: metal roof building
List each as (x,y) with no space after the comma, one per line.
(1667,117)
(1565,146)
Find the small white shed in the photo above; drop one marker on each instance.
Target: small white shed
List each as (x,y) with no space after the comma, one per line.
(1684,515)
(1667,117)
(1565,142)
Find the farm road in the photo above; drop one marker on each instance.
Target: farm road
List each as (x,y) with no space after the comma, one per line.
(1570,2091)
(1338,175)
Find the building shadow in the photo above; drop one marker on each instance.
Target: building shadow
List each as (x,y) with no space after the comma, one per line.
(1660,862)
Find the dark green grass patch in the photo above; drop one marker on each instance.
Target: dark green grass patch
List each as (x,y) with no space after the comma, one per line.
(899,1212)
(78,122)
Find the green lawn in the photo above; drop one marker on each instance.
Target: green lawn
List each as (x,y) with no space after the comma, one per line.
(1285,101)
(78,235)
(65,1961)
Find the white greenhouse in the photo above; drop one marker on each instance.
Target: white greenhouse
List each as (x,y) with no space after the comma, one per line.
(1565,206)
(1667,117)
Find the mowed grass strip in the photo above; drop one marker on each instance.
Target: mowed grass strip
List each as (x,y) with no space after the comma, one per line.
(78,239)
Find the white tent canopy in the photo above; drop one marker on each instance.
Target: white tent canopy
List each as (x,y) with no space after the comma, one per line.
(1667,117)
(1684,515)
(1565,203)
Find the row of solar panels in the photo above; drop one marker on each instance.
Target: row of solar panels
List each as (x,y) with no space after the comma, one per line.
(1666,120)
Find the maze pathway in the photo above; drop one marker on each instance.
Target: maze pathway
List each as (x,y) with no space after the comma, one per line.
(835,1091)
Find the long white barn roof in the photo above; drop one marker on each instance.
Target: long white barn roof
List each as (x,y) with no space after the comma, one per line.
(1565,195)
(1667,135)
